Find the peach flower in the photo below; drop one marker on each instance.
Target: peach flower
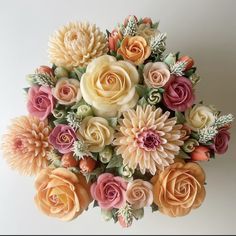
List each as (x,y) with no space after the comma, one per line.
(156,74)
(134,49)
(139,194)
(200,153)
(61,194)
(67,91)
(96,133)
(179,188)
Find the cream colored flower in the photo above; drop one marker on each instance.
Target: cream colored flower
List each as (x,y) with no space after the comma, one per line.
(62,194)
(67,91)
(179,188)
(156,74)
(146,31)
(96,133)
(25,146)
(199,117)
(139,194)
(76,44)
(134,49)
(148,139)
(109,86)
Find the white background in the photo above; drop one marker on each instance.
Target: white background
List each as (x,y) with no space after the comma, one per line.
(203,29)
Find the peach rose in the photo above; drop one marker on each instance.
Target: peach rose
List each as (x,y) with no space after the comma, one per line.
(156,74)
(146,31)
(96,133)
(179,188)
(67,91)
(134,49)
(61,194)
(139,194)
(109,86)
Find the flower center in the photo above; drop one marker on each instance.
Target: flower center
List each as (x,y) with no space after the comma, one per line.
(18,144)
(148,140)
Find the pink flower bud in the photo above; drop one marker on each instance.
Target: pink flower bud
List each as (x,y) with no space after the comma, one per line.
(147,20)
(123,222)
(200,153)
(44,70)
(68,160)
(189,62)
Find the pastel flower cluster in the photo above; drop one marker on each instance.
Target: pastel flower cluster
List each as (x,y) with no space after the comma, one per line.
(114,121)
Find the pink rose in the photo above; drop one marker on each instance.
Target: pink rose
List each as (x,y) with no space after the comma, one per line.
(179,94)
(40,102)
(221,141)
(156,74)
(62,138)
(109,191)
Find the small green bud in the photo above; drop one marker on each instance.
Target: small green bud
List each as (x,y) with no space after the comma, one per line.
(125,171)
(59,114)
(61,72)
(106,154)
(106,214)
(194,78)
(170,59)
(189,145)
(154,96)
(84,110)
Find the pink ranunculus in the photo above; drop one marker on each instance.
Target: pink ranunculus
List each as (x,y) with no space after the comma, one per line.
(109,191)
(179,94)
(221,141)
(62,138)
(40,102)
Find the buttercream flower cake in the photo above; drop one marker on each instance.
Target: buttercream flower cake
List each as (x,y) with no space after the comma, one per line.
(113,123)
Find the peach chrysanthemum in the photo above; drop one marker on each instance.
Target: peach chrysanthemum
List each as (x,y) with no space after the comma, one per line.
(148,139)
(25,146)
(76,44)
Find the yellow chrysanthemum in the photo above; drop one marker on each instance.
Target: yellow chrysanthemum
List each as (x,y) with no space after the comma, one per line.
(76,44)
(148,139)
(25,146)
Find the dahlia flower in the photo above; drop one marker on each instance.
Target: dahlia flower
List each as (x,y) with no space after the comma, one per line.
(148,139)
(76,44)
(25,146)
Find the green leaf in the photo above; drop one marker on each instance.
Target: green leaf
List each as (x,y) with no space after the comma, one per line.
(79,71)
(183,154)
(177,55)
(112,122)
(189,72)
(154,207)
(116,161)
(73,75)
(142,102)
(59,121)
(155,25)
(180,117)
(95,156)
(95,204)
(195,135)
(114,215)
(161,90)
(141,90)
(108,33)
(26,89)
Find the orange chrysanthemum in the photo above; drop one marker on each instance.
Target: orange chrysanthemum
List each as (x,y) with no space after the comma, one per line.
(148,139)
(25,145)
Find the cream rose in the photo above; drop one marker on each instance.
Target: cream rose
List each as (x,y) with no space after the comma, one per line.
(156,74)
(67,91)
(139,194)
(146,31)
(199,117)
(62,194)
(96,133)
(109,86)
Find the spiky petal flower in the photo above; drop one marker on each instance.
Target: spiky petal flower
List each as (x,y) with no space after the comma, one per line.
(25,146)
(76,44)
(148,139)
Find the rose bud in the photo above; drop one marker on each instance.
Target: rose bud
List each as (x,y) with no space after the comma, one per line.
(113,39)
(147,20)
(190,145)
(44,70)
(106,214)
(68,160)
(200,153)
(106,154)
(189,62)
(87,164)
(61,72)
(127,19)
(124,223)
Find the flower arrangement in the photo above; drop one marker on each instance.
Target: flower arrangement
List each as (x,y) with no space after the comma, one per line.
(114,121)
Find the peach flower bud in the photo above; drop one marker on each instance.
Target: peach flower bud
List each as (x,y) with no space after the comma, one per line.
(44,70)
(68,160)
(147,20)
(123,222)
(113,39)
(127,19)
(87,164)
(189,62)
(201,153)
